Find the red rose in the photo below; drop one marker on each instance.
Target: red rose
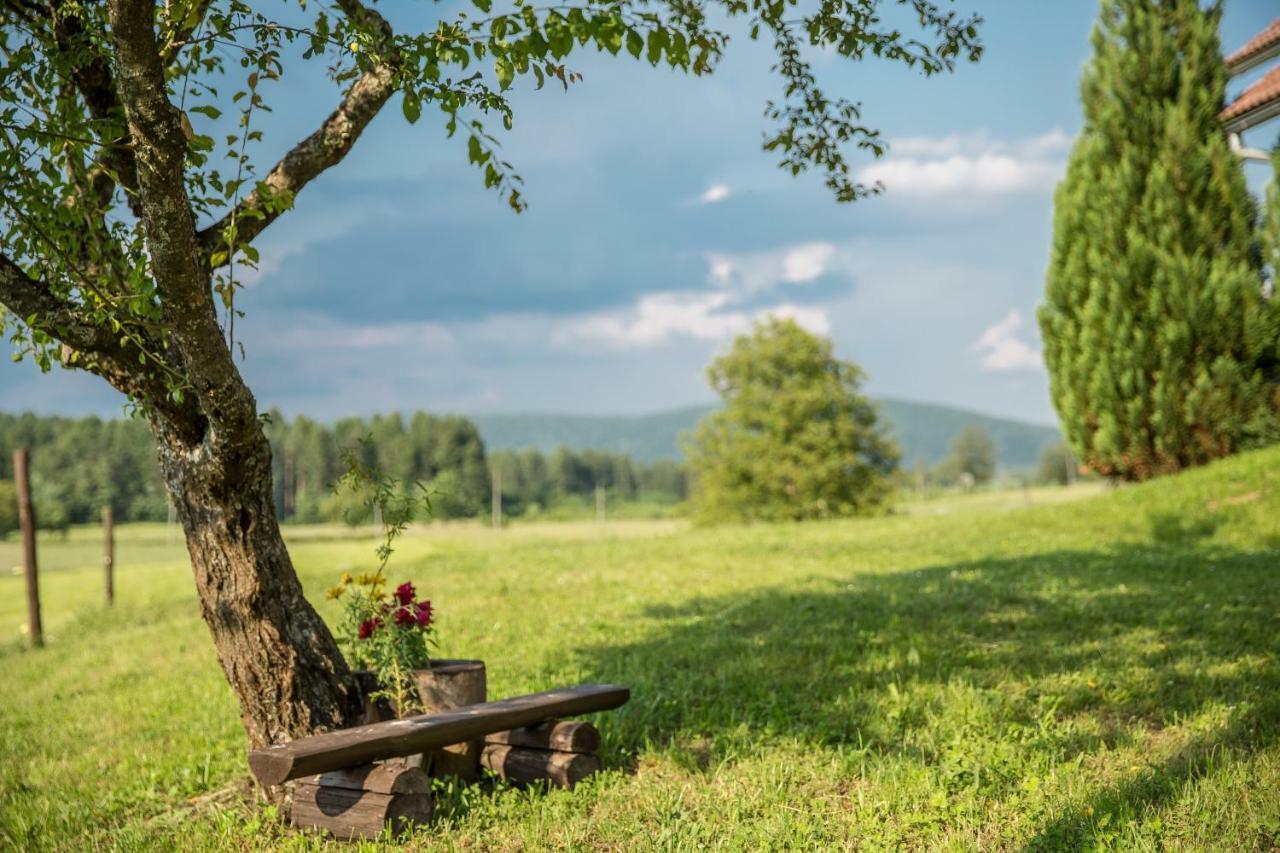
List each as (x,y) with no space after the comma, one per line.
(424,613)
(405,593)
(367,627)
(404,617)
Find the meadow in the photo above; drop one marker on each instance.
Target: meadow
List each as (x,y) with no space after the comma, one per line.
(1080,669)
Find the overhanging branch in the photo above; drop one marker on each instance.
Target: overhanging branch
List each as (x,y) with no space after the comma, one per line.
(323,149)
(129,360)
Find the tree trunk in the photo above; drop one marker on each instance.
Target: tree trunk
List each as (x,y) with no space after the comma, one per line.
(278,655)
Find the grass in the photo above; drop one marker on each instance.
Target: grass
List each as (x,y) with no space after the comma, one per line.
(1099,673)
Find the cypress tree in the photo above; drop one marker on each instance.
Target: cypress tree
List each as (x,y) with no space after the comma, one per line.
(1154,322)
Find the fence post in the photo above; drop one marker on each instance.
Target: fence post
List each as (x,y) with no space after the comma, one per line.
(27,519)
(109,554)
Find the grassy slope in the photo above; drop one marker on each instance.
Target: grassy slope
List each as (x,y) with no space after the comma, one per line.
(1070,675)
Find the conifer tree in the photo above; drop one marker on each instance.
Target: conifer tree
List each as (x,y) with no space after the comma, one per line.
(795,438)
(1155,323)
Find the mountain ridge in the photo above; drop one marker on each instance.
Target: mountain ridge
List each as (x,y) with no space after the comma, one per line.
(923,430)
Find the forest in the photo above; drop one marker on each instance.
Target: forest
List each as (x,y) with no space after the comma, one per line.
(80,465)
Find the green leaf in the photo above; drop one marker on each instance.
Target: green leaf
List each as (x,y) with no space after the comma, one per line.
(635,43)
(483,5)
(411,106)
(505,71)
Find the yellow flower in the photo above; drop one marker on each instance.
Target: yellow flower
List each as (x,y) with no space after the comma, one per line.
(345,580)
(336,592)
(368,580)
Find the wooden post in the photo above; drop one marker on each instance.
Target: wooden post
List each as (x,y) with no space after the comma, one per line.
(27,519)
(109,554)
(497,499)
(446,685)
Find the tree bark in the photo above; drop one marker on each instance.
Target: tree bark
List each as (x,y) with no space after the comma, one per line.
(278,655)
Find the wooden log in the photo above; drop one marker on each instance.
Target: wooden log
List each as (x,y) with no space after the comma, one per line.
(364,744)
(522,766)
(349,813)
(447,685)
(27,521)
(377,778)
(558,735)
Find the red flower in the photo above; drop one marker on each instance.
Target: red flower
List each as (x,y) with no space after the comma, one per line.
(405,593)
(367,627)
(424,613)
(404,617)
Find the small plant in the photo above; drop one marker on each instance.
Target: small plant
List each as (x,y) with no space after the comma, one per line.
(390,635)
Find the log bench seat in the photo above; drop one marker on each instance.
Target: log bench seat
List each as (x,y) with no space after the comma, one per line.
(340,787)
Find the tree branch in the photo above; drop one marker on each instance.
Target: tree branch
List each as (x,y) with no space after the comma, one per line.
(183,31)
(181,275)
(93,79)
(118,358)
(323,149)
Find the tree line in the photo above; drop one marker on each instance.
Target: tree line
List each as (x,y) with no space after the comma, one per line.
(80,465)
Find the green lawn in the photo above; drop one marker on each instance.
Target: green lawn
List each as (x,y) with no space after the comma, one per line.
(1084,674)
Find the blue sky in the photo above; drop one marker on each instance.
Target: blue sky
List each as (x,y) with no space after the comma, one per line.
(658,230)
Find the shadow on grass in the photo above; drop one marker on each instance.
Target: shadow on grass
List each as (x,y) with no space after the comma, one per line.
(981,671)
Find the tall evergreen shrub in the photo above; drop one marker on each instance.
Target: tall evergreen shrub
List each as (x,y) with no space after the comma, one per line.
(1155,324)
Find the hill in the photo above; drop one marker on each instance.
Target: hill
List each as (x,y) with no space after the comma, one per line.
(923,430)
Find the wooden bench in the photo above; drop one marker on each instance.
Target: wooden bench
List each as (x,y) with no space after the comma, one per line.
(341,790)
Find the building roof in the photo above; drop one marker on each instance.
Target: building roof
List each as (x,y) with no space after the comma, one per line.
(1259,102)
(1257,49)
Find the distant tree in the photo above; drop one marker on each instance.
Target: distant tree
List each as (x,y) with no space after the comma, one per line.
(1057,465)
(973,453)
(795,439)
(8,508)
(1154,320)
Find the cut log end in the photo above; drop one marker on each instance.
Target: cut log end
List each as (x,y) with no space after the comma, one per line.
(348,814)
(521,766)
(557,735)
(270,766)
(389,778)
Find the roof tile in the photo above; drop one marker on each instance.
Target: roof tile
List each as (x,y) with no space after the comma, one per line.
(1263,40)
(1259,94)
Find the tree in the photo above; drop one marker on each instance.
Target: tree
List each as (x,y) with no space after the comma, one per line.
(794,439)
(1154,319)
(1057,465)
(125,233)
(8,508)
(972,453)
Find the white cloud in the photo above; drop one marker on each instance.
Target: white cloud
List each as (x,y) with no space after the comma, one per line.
(806,262)
(1001,348)
(715,193)
(660,317)
(753,272)
(970,163)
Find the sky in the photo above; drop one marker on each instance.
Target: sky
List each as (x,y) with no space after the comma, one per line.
(658,230)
